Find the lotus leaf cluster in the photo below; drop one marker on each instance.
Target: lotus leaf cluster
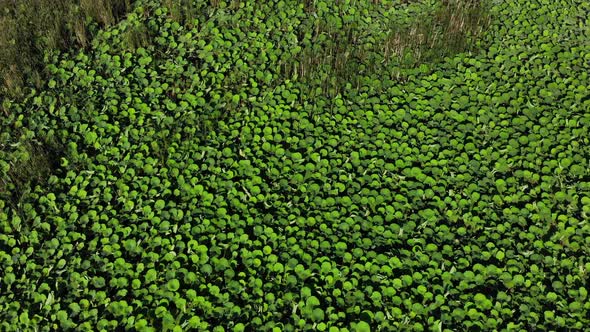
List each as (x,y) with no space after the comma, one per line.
(207,183)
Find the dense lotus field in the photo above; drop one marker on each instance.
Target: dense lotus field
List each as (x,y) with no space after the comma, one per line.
(202,188)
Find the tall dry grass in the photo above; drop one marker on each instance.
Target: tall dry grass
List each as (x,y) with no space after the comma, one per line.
(337,56)
(451,29)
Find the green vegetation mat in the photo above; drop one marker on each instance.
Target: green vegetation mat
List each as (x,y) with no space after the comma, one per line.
(266,166)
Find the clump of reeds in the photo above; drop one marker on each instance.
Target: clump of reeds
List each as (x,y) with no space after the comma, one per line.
(29,164)
(451,29)
(337,56)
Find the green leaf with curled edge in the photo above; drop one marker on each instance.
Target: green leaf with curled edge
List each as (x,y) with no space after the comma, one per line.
(173,285)
(362,326)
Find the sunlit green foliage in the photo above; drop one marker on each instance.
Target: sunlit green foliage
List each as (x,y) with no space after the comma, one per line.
(201,187)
